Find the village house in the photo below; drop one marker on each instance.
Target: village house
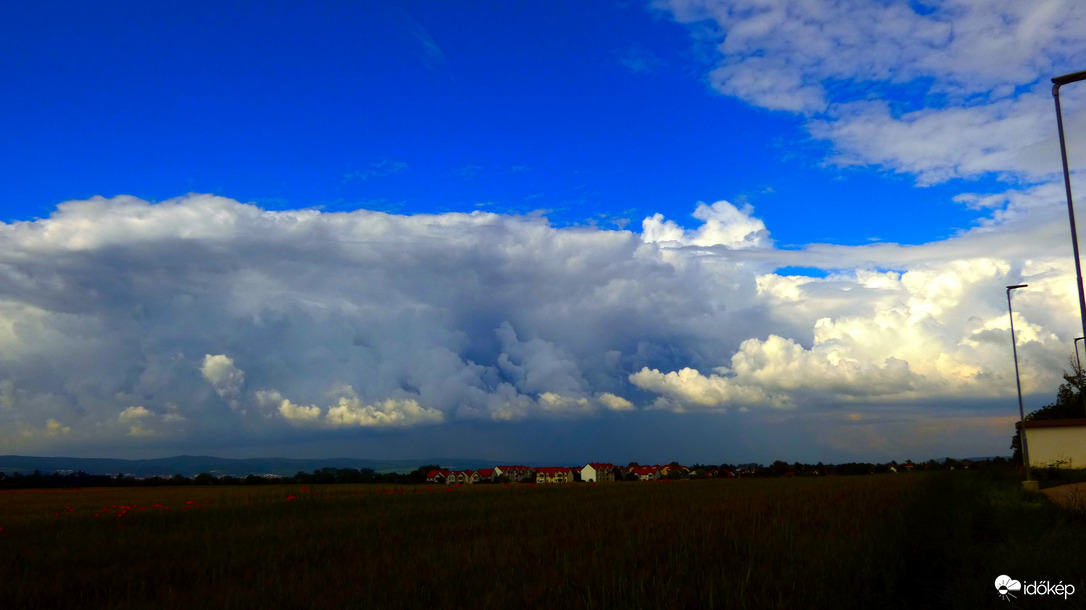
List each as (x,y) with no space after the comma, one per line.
(646,473)
(437,476)
(674,471)
(594,472)
(516,473)
(489,474)
(553,475)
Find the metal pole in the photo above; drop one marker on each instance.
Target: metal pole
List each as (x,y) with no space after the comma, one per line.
(1018,382)
(1057,82)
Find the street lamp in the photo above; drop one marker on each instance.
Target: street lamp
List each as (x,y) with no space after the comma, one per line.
(1058,82)
(1018,382)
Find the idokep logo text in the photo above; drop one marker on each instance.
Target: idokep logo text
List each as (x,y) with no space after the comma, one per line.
(1007,586)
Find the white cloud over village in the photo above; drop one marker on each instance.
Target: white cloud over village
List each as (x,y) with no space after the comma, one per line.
(122,320)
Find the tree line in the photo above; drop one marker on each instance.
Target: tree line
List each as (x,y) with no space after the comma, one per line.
(333,476)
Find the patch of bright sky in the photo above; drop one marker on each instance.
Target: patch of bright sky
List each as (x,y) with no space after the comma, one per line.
(590,113)
(803,271)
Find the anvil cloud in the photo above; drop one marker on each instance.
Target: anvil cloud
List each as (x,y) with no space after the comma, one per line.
(202,315)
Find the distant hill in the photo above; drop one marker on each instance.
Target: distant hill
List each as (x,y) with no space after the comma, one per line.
(191,465)
(974,459)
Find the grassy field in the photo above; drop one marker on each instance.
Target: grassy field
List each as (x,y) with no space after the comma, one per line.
(875,541)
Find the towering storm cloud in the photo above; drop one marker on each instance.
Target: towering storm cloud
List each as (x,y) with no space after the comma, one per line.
(123,319)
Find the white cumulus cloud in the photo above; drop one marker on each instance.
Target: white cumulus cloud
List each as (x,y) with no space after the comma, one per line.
(939,90)
(615,403)
(451,320)
(227,379)
(133,413)
(387,413)
(722,224)
(55,428)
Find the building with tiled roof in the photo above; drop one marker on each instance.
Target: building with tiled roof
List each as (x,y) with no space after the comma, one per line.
(646,473)
(674,471)
(594,472)
(489,474)
(437,476)
(553,474)
(516,473)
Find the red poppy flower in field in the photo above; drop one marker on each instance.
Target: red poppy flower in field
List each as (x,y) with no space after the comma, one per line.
(289,498)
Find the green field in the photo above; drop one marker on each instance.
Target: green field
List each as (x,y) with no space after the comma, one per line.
(868,541)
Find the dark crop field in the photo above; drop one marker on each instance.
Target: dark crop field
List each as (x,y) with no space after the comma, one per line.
(882,541)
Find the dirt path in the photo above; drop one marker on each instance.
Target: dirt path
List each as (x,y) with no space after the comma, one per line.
(1070,495)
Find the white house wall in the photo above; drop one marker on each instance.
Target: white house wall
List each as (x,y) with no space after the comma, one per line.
(588,474)
(1050,446)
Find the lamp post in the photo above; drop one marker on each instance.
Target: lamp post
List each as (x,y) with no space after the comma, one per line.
(1058,82)
(1018,382)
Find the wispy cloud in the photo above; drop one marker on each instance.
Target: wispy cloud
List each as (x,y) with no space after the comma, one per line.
(428,49)
(469,170)
(377,169)
(951,90)
(639,60)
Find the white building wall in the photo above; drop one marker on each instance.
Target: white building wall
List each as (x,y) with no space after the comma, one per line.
(1050,446)
(588,474)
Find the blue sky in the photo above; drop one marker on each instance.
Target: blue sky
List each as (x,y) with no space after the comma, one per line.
(594,113)
(419,228)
